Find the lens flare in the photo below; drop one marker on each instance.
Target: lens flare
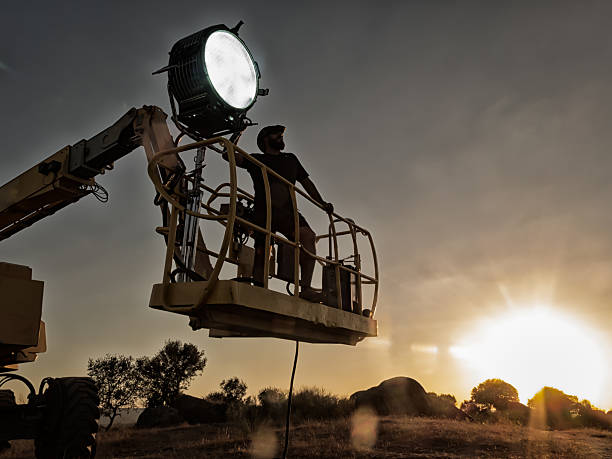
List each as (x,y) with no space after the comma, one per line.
(535,347)
(364,429)
(424,348)
(264,443)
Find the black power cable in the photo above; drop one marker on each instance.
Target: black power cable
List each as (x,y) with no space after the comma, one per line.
(288,422)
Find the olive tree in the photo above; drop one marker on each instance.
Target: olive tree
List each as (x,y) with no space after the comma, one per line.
(233,390)
(117,383)
(494,393)
(169,372)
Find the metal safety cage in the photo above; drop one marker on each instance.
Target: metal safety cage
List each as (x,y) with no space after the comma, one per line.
(232,307)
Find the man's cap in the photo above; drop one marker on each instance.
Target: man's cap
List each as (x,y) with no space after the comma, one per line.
(266,131)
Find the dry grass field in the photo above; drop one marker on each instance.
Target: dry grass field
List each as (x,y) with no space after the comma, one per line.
(361,437)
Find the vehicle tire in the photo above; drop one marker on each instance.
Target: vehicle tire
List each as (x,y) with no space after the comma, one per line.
(7,398)
(70,422)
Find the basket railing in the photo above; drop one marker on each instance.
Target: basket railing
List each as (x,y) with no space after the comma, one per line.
(230,219)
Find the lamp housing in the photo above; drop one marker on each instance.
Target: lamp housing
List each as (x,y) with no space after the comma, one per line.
(214,80)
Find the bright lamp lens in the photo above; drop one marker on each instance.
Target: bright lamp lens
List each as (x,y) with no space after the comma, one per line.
(230,69)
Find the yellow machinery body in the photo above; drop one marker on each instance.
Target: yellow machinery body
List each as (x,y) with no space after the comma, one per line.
(22,333)
(39,192)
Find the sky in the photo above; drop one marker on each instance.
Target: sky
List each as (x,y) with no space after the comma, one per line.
(471,138)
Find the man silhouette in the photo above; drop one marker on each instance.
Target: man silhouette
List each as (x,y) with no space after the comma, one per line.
(271,142)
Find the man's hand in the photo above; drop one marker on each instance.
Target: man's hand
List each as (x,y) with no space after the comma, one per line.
(329,207)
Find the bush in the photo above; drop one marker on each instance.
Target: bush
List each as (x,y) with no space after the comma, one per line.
(308,404)
(477,412)
(314,403)
(590,416)
(245,415)
(514,413)
(558,410)
(442,405)
(517,413)
(240,410)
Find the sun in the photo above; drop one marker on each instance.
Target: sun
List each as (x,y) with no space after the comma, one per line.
(533,347)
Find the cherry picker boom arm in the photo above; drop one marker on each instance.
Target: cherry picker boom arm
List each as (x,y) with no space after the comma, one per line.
(68,175)
(59,180)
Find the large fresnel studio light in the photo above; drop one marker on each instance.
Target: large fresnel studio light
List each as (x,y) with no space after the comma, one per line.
(214,79)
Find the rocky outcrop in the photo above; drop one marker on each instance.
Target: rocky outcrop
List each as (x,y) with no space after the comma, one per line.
(159,416)
(400,395)
(199,411)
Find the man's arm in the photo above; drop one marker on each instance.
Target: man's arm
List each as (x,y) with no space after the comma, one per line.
(312,191)
(240,161)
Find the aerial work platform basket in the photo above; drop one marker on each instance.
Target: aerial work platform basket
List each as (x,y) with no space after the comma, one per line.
(226,302)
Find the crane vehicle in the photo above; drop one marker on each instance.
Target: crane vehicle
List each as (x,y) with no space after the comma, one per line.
(213,81)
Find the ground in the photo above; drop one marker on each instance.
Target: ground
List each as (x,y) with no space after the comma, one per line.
(361,437)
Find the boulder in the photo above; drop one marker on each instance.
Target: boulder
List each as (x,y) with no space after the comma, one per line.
(199,411)
(159,416)
(400,395)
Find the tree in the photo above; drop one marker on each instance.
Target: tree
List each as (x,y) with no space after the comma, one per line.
(169,372)
(117,383)
(494,393)
(554,408)
(233,390)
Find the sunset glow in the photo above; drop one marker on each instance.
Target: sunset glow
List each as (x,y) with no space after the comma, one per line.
(535,347)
